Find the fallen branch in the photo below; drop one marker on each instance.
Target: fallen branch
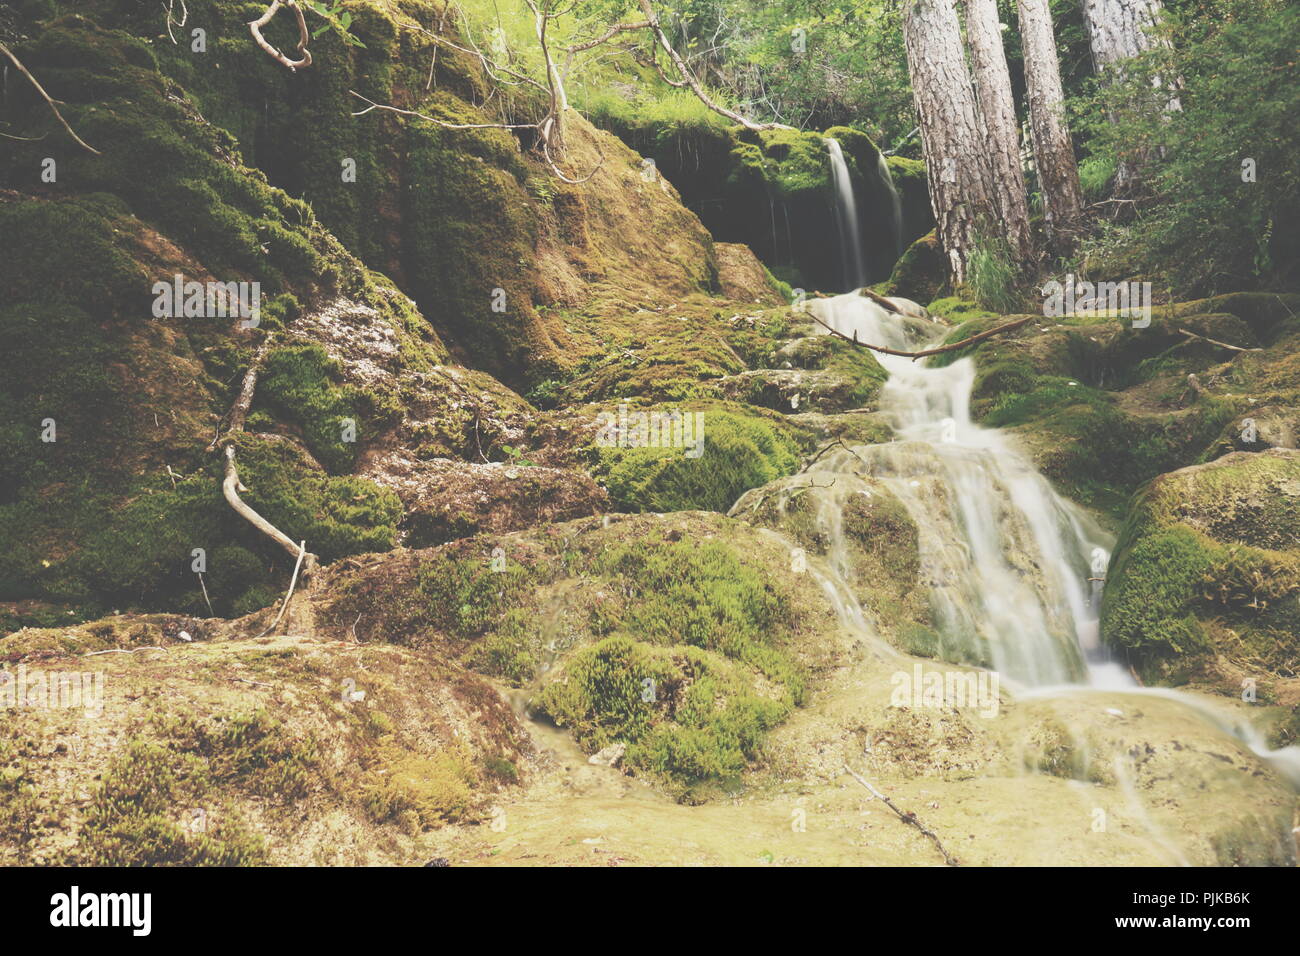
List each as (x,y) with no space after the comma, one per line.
(1222,345)
(48,99)
(907,817)
(1005,327)
(118,650)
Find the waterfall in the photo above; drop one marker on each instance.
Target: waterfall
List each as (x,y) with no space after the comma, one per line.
(1012,568)
(846,218)
(895,202)
(1008,560)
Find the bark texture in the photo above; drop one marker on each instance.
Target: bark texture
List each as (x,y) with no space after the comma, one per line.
(998,108)
(1117,31)
(955,143)
(1058,173)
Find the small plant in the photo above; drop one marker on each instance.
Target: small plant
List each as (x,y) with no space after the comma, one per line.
(993,276)
(338,17)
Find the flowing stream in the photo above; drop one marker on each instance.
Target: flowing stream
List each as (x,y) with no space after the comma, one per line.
(1014,571)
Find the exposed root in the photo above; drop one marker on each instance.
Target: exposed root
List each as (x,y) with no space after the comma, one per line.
(255,27)
(232,486)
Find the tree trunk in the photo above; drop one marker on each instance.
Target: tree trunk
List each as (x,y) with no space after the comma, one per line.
(1117,31)
(998,108)
(956,147)
(1058,173)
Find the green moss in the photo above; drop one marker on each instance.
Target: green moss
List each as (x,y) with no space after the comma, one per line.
(740,451)
(136,549)
(298,383)
(922,272)
(148,791)
(1154,586)
(687,715)
(1209,555)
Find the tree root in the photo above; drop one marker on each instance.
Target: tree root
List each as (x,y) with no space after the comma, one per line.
(232,486)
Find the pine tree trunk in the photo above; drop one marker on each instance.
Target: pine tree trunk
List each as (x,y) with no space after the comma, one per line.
(1058,173)
(997,107)
(1117,31)
(956,146)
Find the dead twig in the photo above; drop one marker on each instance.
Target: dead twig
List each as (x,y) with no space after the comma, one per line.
(119,650)
(1222,345)
(907,817)
(48,99)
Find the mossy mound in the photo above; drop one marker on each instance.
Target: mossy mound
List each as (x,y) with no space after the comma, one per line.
(731,449)
(692,597)
(233,752)
(1204,579)
(921,273)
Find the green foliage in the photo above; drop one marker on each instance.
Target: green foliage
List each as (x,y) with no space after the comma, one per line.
(992,275)
(1207,228)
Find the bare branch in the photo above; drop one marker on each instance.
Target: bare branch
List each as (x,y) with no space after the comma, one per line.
(696,87)
(1006,327)
(48,99)
(372,105)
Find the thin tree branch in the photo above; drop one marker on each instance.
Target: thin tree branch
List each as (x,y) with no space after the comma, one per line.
(48,99)
(372,105)
(1006,327)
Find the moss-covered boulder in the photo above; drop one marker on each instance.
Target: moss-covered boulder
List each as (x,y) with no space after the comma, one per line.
(921,274)
(241,752)
(689,456)
(1205,581)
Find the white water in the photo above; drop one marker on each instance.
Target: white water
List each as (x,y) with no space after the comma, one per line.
(1014,570)
(1008,560)
(846,217)
(895,202)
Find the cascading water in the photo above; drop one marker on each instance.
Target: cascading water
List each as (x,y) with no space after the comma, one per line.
(1008,559)
(846,217)
(895,202)
(1013,569)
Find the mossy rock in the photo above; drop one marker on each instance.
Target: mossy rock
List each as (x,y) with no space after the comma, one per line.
(921,274)
(738,449)
(1205,575)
